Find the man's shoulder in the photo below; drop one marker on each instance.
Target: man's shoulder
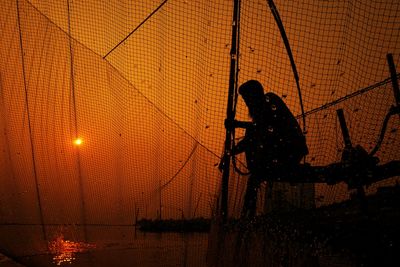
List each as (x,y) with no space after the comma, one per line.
(273,98)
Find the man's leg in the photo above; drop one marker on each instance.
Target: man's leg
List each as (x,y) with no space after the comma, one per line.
(250,198)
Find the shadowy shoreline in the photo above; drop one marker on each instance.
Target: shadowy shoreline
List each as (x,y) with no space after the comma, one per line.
(201,225)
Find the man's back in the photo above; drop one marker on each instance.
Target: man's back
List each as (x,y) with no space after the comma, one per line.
(276,140)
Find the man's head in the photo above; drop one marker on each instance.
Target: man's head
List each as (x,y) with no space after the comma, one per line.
(251,89)
(253,95)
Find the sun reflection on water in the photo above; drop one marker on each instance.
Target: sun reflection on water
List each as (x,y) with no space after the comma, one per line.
(64,250)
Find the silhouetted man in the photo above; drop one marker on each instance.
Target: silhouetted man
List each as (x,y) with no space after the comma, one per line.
(273,141)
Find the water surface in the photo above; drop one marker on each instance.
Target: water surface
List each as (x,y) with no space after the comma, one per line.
(71,245)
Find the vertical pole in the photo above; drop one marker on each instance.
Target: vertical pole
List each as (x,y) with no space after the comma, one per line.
(350,159)
(160,216)
(345,130)
(230,113)
(393,75)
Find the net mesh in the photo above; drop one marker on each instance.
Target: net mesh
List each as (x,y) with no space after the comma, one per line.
(144,85)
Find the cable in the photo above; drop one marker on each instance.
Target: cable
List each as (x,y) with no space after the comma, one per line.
(137,27)
(339,100)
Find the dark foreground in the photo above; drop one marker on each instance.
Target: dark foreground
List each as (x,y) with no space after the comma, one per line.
(345,234)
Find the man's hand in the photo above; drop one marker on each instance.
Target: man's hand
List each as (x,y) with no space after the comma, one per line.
(230,124)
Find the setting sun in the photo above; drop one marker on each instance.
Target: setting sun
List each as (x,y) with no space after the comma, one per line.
(78,141)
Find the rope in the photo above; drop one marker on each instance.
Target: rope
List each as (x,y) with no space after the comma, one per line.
(137,27)
(37,187)
(339,100)
(279,22)
(78,160)
(181,168)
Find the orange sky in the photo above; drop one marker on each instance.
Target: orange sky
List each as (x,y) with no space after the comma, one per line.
(152,112)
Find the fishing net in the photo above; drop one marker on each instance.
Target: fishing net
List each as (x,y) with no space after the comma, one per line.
(113,111)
